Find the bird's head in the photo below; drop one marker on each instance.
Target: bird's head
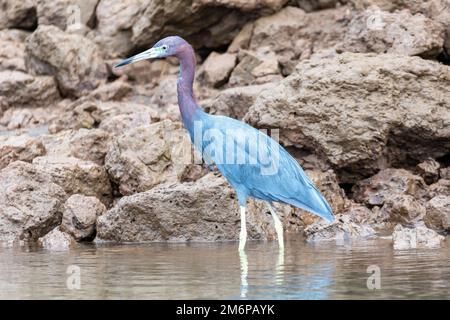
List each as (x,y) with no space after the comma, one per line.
(167,47)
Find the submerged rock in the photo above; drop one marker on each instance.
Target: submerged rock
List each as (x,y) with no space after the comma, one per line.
(438,214)
(57,240)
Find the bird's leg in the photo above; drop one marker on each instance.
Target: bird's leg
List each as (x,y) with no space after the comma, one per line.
(243,234)
(278,226)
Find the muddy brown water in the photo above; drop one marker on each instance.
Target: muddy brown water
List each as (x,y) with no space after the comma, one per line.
(326,270)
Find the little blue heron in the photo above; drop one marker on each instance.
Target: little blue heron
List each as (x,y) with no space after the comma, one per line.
(258,167)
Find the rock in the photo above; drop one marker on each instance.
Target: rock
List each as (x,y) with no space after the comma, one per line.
(235,102)
(66,13)
(242,40)
(348,225)
(18,14)
(74,60)
(18,89)
(114,22)
(403,209)
(217,68)
(32,120)
(77,176)
(91,113)
(12,49)
(294,35)
(149,155)
(31,203)
(255,68)
(399,113)
(376,190)
(327,183)
(205,210)
(84,144)
(23,148)
(429,170)
(113,91)
(444,173)
(399,33)
(80,216)
(205,23)
(442,187)
(437,10)
(438,213)
(418,237)
(313,5)
(56,240)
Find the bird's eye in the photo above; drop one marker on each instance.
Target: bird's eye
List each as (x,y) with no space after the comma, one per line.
(165,47)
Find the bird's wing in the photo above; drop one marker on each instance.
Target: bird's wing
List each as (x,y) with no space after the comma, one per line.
(248,157)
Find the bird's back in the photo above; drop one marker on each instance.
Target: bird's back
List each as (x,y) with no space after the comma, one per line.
(256,165)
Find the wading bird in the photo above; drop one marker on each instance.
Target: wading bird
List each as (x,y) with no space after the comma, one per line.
(253,163)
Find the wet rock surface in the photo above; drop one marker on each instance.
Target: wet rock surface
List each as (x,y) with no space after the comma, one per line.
(31,204)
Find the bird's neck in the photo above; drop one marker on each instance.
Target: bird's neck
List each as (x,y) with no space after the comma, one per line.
(186,98)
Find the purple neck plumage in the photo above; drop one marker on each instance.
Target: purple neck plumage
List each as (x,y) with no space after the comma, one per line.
(186,98)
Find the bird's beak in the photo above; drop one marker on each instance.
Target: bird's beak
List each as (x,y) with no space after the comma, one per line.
(149,54)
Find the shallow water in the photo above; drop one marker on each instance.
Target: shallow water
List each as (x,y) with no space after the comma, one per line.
(216,271)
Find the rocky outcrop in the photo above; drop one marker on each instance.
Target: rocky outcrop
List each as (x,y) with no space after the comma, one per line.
(438,213)
(403,209)
(23,148)
(80,215)
(149,155)
(74,60)
(361,112)
(31,203)
(12,49)
(18,89)
(387,183)
(205,210)
(401,33)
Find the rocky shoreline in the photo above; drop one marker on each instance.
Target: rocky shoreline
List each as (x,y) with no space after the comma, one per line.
(359,90)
